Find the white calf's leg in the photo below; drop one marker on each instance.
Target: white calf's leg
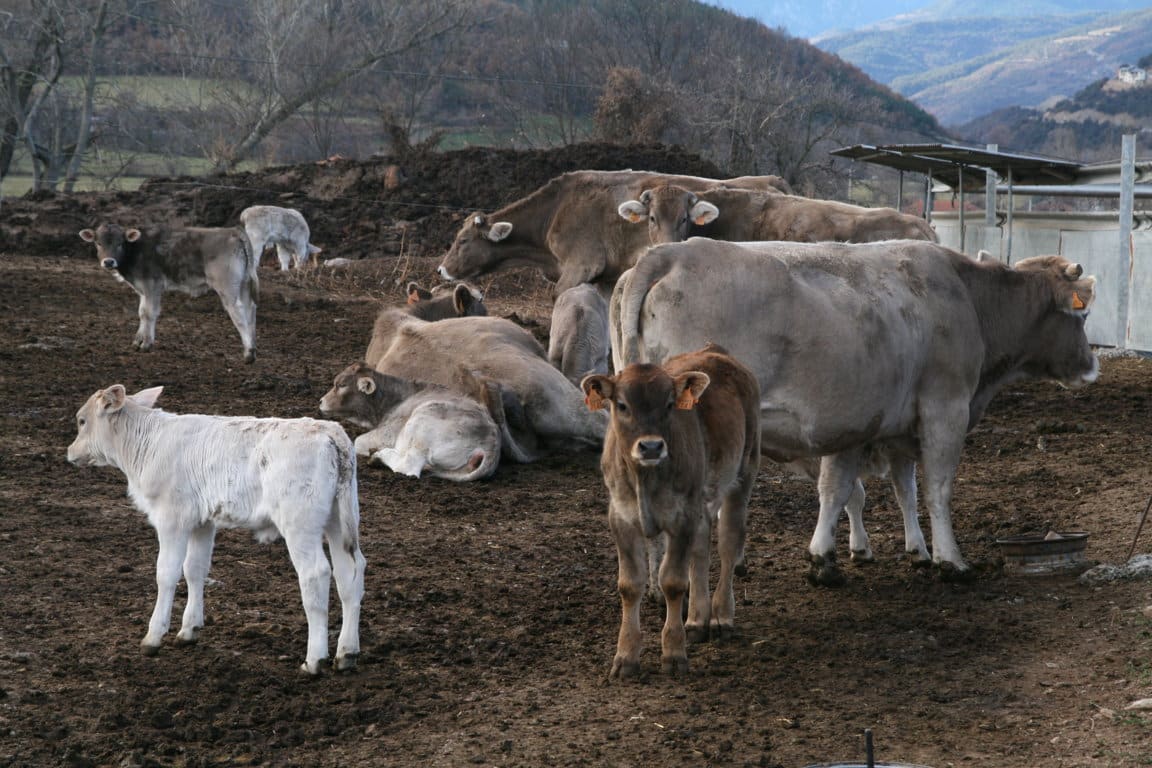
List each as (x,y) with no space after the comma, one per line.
(838,477)
(348,567)
(173,545)
(941,444)
(196,564)
(284,254)
(859,546)
(315,576)
(242,311)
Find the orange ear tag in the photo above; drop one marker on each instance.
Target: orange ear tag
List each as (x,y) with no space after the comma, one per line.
(1077,302)
(594,401)
(686,401)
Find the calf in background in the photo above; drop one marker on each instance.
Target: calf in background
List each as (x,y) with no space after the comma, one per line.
(578,342)
(193,260)
(285,228)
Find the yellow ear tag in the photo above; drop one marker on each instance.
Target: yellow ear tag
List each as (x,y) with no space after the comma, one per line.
(686,401)
(1077,302)
(593,400)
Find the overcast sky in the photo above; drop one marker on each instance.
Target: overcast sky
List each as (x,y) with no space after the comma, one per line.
(809,18)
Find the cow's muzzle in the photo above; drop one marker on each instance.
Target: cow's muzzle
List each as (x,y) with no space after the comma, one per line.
(444,273)
(649,451)
(109,263)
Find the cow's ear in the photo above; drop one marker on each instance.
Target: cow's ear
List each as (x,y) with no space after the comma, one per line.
(703,213)
(366,384)
(112,399)
(1073,271)
(633,211)
(147,397)
(689,387)
(88,235)
(463,299)
(1079,300)
(598,390)
(132,234)
(499,231)
(416,294)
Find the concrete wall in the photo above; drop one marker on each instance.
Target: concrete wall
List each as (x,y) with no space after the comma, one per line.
(1090,239)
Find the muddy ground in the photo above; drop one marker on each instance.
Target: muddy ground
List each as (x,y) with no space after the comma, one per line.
(490,616)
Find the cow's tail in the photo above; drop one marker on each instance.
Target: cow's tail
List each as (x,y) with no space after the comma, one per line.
(627,304)
(347,494)
(485,462)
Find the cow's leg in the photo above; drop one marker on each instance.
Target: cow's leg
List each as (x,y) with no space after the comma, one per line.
(699,596)
(838,476)
(732,531)
(242,310)
(197,561)
(173,545)
(655,548)
(859,546)
(348,568)
(674,583)
(903,473)
(941,442)
(315,576)
(148,312)
(630,583)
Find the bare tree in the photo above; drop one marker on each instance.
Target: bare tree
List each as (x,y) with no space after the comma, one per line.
(30,57)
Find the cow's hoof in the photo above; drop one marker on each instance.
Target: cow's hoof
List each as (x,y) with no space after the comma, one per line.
(313,668)
(740,569)
(950,572)
(696,633)
(676,666)
(347,662)
(249,357)
(862,556)
(826,574)
(722,632)
(149,650)
(188,636)
(623,669)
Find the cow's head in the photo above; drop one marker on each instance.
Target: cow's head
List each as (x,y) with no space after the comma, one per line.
(643,399)
(670,211)
(445,301)
(1058,347)
(110,240)
(474,251)
(351,395)
(96,419)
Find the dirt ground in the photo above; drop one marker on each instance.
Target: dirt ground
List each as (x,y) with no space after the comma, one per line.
(490,615)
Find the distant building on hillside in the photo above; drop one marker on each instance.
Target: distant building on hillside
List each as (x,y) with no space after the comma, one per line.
(1130,74)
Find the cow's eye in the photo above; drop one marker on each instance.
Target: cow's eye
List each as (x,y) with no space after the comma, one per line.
(80,422)
(621,406)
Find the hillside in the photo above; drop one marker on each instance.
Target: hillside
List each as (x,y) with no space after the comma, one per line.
(1088,125)
(959,71)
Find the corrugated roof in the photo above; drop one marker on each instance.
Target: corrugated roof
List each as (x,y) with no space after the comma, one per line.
(949,163)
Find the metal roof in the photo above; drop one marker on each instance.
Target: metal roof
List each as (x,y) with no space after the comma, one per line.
(951,163)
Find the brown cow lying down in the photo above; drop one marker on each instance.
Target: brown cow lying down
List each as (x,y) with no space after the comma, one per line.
(416,427)
(674,213)
(445,301)
(682,450)
(543,410)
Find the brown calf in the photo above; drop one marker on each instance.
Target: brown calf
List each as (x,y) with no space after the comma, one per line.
(683,447)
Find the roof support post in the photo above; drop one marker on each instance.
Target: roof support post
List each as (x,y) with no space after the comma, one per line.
(900,193)
(1011,205)
(928,198)
(1127,197)
(960,186)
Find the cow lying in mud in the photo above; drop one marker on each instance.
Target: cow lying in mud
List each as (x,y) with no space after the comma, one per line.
(682,450)
(190,474)
(416,427)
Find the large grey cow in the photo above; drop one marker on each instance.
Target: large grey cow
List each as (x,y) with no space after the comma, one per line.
(569,228)
(898,345)
(194,260)
(543,410)
(674,213)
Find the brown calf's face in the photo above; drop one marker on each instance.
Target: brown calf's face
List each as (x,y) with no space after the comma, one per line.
(109,240)
(474,251)
(670,212)
(351,396)
(643,399)
(1059,346)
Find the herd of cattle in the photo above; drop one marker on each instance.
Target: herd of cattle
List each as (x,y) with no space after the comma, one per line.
(741,321)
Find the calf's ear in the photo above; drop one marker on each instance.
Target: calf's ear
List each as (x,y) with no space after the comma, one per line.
(366,384)
(112,399)
(689,387)
(132,234)
(598,390)
(703,213)
(147,397)
(499,231)
(416,293)
(87,235)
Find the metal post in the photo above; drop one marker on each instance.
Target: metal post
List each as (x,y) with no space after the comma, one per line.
(928,198)
(960,185)
(1011,205)
(990,192)
(1127,194)
(900,193)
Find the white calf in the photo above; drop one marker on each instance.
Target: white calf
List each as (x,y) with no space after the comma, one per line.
(190,473)
(284,228)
